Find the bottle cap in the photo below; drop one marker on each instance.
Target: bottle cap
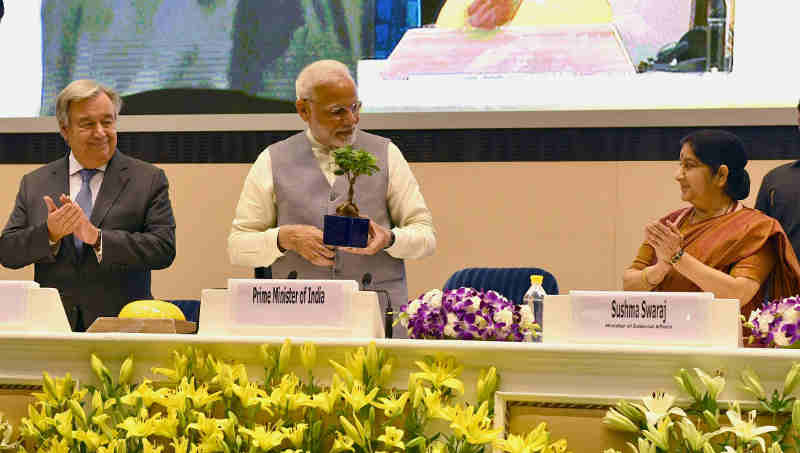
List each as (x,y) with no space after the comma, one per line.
(537,279)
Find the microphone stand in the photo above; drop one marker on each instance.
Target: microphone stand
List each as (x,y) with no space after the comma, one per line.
(388,315)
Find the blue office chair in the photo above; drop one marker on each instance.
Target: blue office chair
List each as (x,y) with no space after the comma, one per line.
(511,282)
(189,307)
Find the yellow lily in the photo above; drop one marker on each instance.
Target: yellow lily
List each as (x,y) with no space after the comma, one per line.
(249,394)
(166,427)
(392,437)
(696,439)
(147,394)
(91,439)
(62,446)
(775,448)
(441,372)
(99,369)
(63,423)
(198,395)
(643,446)
(659,434)
(474,427)
(714,385)
(356,396)
(180,445)
(264,438)
(342,442)
(101,420)
(140,426)
(750,382)
(487,384)
(269,357)
(78,412)
(211,443)
(308,356)
(354,430)
(684,381)
(619,422)
(114,446)
(126,370)
(433,403)
(559,446)
(386,372)
(151,448)
(295,434)
(534,441)
(792,379)
(322,401)
(285,356)
(392,406)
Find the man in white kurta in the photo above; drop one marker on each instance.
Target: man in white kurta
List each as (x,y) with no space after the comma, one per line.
(292,185)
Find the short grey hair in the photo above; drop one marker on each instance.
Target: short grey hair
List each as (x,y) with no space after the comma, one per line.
(80,90)
(318,73)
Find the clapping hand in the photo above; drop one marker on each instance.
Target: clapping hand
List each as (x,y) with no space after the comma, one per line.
(665,238)
(69,218)
(62,220)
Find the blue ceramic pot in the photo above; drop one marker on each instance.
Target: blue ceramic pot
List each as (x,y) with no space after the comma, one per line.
(345,231)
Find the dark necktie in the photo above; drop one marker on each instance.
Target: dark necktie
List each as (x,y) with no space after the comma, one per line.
(84,200)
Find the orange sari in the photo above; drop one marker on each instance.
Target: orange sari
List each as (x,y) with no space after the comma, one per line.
(721,242)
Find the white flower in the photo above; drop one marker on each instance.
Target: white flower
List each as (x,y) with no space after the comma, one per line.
(780,338)
(413,306)
(505,316)
(450,327)
(436,299)
(746,430)
(790,316)
(431,294)
(476,304)
(658,405)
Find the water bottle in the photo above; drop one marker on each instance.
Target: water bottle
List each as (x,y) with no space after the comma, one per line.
(534,297)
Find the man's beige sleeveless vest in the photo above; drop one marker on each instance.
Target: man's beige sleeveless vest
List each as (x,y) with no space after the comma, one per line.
(304,196)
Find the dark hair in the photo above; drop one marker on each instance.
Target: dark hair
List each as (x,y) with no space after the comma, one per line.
(715,148)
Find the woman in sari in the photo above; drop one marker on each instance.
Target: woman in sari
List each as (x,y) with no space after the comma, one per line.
(716,244)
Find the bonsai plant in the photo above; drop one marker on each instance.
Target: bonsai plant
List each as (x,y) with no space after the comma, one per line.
(352,163)
(347,228)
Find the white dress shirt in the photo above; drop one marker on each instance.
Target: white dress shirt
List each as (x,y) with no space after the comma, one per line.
(75,185)
(253,240)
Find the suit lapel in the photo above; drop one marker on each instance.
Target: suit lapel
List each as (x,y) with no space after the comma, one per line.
(115,179)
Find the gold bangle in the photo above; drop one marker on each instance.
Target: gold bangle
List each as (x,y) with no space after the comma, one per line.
(644,278)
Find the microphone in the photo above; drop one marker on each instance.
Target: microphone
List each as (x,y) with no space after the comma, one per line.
(292,275)
(388,316)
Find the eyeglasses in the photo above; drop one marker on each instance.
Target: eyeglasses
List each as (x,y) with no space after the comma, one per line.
(339,111)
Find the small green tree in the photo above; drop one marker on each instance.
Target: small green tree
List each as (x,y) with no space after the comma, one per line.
(353,163)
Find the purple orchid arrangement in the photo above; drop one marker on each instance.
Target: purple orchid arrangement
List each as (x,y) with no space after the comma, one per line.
(467,314)
(776,323)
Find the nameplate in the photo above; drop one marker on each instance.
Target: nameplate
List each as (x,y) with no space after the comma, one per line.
(290,302)
(630,317)
(14,300)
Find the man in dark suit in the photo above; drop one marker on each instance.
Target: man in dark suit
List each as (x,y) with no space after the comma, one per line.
(95,222)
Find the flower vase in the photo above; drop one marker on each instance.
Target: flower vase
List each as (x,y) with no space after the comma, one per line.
(345,231)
